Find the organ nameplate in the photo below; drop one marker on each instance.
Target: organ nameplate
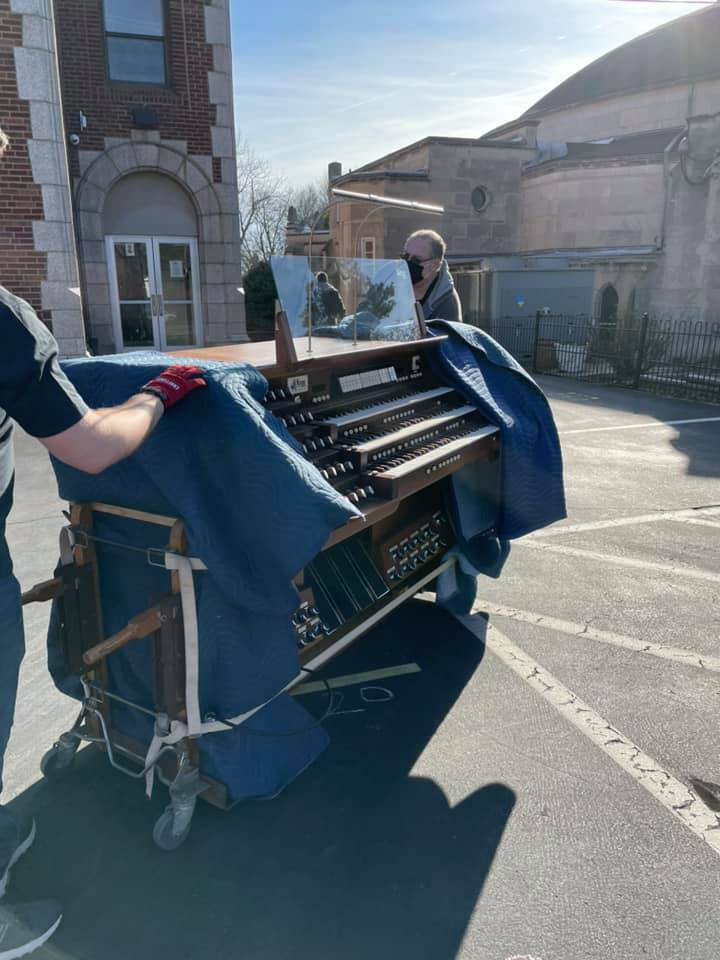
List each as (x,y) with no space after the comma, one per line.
(297,384)
(368,378)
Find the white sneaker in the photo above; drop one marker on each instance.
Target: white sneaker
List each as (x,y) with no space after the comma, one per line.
(26,926)
(22,847)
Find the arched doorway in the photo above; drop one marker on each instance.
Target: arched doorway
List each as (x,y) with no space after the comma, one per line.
(150,228)
(607,320)
(609,305)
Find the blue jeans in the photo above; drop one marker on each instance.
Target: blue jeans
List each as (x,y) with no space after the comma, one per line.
(12,649)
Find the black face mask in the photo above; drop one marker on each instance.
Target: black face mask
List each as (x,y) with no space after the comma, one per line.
(416,271)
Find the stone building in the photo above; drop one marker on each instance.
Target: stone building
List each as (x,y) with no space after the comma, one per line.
(118,196)
(602,198)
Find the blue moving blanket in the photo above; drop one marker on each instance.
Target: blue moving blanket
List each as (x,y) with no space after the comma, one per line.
(256,513)
(531,483)
(488,376)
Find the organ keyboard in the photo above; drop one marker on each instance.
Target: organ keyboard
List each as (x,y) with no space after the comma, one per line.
(384,432)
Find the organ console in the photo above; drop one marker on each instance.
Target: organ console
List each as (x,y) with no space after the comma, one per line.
(382,427)
(361,397)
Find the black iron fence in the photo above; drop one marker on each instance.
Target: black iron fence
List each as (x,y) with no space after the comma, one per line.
(680,359)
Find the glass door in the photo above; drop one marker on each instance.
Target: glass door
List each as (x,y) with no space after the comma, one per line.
(176,272)
(134,301)
(155,292)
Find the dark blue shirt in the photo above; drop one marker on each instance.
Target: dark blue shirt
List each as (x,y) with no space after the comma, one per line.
(33,391)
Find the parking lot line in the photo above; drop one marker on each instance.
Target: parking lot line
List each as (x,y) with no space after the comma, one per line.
(674,796)
(688,515)
(699,522)
(585,632)
(647,425)
(673,570)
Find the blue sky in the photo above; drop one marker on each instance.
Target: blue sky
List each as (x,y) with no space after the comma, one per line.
(351,81)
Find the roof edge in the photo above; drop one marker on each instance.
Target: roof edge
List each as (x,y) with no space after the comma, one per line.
(443,141)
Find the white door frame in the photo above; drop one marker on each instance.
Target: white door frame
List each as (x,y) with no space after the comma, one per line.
(156,295)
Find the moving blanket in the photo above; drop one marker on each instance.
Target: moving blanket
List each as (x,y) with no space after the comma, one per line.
(533,494)
(256,512)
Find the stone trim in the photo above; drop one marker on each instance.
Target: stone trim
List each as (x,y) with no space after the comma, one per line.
(38,83)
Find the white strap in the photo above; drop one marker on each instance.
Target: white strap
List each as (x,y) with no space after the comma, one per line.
(178,731)
(184,566)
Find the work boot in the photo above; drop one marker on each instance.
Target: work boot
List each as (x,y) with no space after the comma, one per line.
(26,926)
(27,834)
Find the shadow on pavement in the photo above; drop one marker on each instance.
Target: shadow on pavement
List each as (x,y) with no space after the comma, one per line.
(698,442)
(357,859)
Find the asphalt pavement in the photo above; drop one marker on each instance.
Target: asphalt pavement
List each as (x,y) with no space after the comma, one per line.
(526,792)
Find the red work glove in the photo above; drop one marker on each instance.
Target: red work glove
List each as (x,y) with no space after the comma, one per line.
(174,383)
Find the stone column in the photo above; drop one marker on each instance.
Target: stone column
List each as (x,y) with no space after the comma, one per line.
(38,83)
(225,306)
(710,250)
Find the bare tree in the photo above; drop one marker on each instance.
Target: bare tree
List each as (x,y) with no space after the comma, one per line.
(310,202)
(262,197)
(264,200)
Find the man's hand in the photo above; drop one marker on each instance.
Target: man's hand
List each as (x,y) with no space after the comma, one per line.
(175,383)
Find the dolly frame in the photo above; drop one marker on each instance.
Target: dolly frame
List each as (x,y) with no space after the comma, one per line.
(172,622)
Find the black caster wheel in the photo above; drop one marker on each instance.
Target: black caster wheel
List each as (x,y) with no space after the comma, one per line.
(165,834)
(57,763)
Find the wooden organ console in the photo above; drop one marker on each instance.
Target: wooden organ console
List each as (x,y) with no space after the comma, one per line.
(386,432)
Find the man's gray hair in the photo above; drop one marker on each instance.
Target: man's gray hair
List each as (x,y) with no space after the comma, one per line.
(4,142)
(437,244)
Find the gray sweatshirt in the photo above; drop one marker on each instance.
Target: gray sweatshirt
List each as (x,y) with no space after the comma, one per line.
(442,302)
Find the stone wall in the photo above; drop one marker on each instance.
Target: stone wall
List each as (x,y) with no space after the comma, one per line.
(633,113)
(454,173)
(598,205)
(37,247)
(683,284)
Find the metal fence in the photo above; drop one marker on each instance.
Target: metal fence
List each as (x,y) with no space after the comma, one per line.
(680,359)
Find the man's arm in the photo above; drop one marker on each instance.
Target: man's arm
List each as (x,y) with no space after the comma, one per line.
(106,436)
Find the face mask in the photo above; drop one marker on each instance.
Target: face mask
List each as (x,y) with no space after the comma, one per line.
(416,271)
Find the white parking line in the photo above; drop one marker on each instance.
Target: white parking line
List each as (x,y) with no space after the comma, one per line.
(673,570)
(649,424)
(687,515)
(585,632)
(677,798)
(699,522)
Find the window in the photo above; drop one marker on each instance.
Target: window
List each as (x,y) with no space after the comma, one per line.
(367,247)
(135,40)
(480,199)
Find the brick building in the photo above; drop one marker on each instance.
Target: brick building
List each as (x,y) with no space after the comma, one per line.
(118,197)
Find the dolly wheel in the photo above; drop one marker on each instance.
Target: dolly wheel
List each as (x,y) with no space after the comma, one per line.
(57,762)
(165,832)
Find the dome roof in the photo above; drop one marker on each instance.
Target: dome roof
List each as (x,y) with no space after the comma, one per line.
(683,50)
